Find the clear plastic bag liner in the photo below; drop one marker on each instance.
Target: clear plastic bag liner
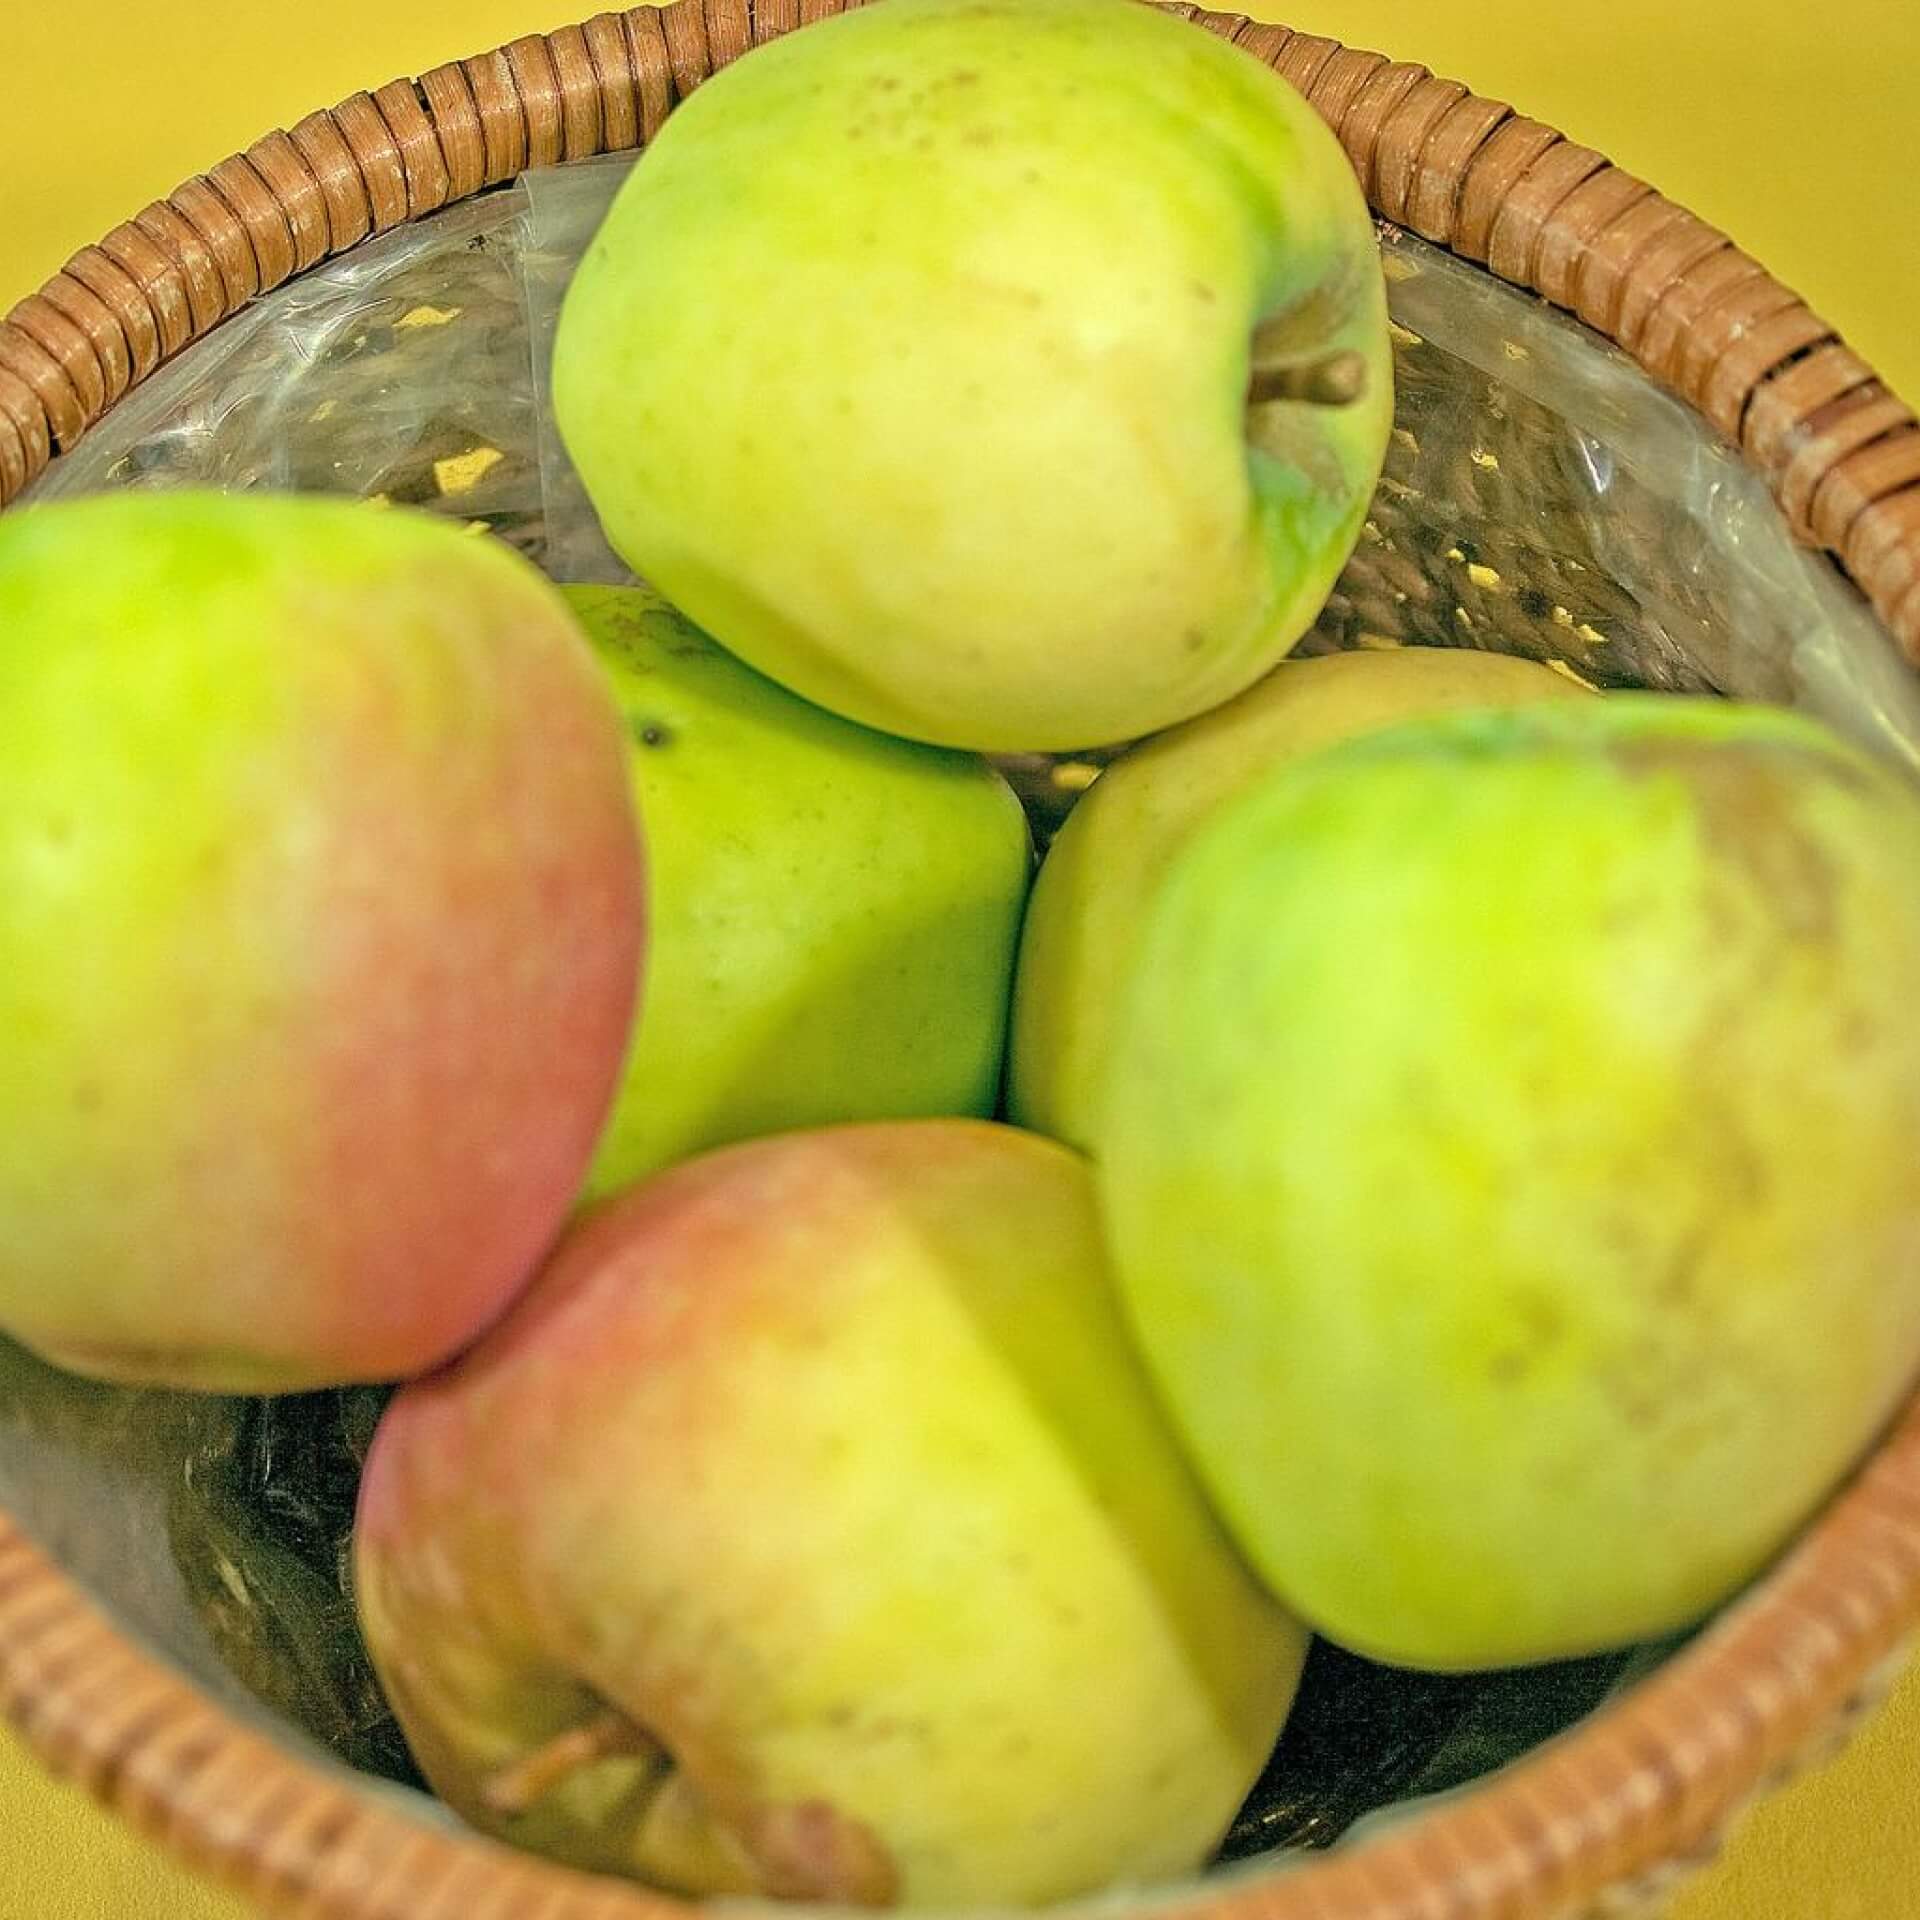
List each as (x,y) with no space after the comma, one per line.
(1542,495)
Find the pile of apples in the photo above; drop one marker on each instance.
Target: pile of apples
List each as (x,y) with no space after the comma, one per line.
(897,1367)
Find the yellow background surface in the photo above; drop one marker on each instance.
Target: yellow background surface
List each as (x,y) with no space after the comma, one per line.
(1795,127)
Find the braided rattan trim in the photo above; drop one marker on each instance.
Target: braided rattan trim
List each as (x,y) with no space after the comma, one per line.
(1458,169)
(1597,1825)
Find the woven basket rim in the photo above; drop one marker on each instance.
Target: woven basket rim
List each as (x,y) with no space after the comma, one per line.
(1612,1811)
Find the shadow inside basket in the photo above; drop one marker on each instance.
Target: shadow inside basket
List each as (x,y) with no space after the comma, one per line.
(1541,497)
(216,1529)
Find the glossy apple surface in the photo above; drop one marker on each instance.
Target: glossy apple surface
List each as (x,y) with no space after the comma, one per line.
(320,920)
(834,911)
(1010,374)
(1509,1160)
(809,1529)
(1083,925)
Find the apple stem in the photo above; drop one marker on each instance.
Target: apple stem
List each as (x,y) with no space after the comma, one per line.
(523,1784)
(1328,380)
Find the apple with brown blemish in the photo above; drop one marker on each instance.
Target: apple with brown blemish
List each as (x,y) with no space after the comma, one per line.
(809,1529)
(1507,1149)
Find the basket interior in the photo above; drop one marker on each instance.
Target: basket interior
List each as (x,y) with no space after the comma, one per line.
(1541,497)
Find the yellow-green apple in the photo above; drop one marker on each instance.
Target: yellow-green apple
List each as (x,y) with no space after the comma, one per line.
(834,910)
(1082,928)
(1010,374)
(809,1529)
(320,921)
(1509,1159)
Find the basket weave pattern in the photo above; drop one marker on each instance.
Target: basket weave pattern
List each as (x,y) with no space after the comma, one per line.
(1842,453)
(1598,1825)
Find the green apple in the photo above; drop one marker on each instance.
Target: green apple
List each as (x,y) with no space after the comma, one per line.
(809,1529)
(834,910)
(1012,374)
(1082,929)
(320,918)
(1509,1158)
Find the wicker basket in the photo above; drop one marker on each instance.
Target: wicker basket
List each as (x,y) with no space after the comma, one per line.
(1604,1820)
